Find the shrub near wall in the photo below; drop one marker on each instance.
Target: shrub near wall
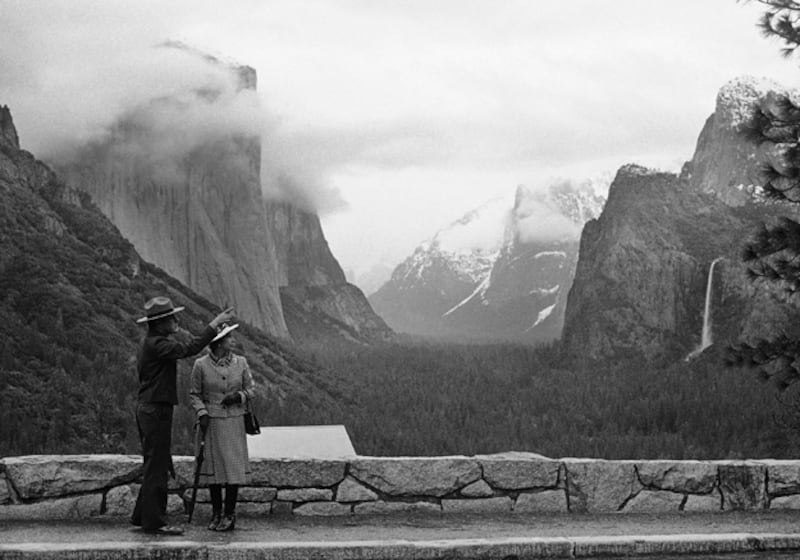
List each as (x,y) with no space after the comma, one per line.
(78,486)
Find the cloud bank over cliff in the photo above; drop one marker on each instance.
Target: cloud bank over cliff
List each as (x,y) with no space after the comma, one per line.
(76,74)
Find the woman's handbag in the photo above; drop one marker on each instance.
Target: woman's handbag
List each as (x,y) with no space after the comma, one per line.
(251,425)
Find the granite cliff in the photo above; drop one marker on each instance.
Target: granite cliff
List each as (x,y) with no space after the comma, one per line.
(641,279)
(199,212)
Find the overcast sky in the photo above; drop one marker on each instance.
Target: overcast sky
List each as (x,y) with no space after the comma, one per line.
(399,116)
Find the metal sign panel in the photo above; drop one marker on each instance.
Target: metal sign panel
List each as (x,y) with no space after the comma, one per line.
(305,442)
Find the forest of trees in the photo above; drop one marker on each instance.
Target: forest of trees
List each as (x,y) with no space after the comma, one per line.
(436,399)
(429,399)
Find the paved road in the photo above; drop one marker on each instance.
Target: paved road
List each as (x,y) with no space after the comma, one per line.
(421,536)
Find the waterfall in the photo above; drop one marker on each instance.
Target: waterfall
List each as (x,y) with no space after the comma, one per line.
(705,337)
(705,340)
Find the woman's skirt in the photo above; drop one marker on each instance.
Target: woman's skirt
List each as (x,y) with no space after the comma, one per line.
(225,459)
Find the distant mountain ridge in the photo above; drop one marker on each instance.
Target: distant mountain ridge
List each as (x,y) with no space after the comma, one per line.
(498,273)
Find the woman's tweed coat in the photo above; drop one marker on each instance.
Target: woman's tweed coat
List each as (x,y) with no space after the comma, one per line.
(225,453)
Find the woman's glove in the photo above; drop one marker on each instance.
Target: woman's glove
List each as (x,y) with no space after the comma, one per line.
(234,397)
(204,421)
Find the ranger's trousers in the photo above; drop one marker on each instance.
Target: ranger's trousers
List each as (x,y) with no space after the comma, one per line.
(154,421)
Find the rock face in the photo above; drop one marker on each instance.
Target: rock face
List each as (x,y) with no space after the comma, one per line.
(642,277)
(198,212)
(316,299)
(8,133)
(499,273)
(443,272)
(523,297)
(212,239)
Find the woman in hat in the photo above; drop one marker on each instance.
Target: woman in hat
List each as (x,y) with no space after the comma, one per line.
(220,386)
(157,364)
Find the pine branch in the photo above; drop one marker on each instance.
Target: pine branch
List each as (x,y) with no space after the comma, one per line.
(779,185)
(792,153)
(773,255)
(781,21)
(788,111)
(755,129)
(779,4)
(775,361)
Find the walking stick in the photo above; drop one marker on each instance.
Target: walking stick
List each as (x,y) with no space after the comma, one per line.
(198,459)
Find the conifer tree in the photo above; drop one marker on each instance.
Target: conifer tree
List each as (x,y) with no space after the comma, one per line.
(773,255)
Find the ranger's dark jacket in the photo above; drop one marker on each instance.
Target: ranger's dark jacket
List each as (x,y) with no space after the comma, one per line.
(158,364)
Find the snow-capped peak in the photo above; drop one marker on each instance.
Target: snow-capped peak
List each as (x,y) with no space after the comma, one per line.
(471,245)
(738,98)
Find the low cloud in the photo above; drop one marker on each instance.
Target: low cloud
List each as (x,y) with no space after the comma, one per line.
(558,211)
(75,85)
(543,222)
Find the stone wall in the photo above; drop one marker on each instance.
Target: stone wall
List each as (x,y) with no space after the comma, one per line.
(79,486)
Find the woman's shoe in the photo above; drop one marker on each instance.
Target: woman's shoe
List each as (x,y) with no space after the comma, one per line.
(227,523)
(215,519)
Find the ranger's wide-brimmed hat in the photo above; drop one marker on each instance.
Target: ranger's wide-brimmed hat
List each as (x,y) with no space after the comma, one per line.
(224,330)
(158,308)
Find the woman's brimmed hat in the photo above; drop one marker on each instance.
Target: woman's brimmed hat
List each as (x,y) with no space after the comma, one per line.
(224,330)
(158,308)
